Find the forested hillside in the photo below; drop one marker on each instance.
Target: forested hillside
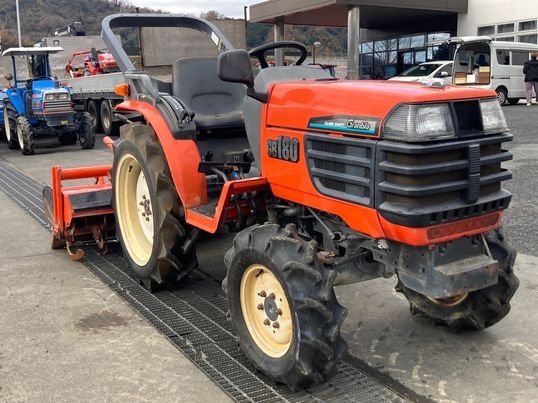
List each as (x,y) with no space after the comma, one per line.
(39,18)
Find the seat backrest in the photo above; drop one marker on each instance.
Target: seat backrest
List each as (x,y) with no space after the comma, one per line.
(216,103)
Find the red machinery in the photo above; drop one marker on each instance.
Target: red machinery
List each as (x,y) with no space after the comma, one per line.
(90,63)
(81,211)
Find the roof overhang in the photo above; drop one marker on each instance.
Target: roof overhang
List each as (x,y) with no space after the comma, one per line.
(373,14)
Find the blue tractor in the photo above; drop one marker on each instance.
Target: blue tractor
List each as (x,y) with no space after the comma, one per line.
(39,107)
(2,129)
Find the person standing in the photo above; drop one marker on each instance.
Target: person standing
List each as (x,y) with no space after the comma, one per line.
(530,69)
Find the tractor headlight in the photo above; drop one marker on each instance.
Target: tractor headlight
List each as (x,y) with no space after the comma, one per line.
(49,97)
(419,123)
(493,119)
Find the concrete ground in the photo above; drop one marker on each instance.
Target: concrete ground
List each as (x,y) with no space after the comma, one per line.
(67,337)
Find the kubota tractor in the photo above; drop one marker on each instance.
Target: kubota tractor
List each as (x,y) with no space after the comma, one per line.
(326,182)
(39,106)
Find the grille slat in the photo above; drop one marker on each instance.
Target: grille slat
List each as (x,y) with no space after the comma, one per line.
(427,184)
(341,168)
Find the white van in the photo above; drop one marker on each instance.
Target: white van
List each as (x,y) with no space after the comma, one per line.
(480,61)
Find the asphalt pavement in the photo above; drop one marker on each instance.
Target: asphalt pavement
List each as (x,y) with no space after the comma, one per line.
(67,337)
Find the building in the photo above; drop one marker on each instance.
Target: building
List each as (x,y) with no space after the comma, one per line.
(387,36)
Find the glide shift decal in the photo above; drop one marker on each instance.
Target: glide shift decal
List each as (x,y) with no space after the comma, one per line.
(345,124)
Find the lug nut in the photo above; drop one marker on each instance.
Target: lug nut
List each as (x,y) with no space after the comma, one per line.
(276,325)
(260,307)
(262,294)
(272,295)
(266,322)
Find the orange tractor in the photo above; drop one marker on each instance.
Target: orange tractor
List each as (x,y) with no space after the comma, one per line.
(326,182)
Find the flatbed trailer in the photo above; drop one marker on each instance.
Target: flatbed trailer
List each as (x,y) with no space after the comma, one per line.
(95,94)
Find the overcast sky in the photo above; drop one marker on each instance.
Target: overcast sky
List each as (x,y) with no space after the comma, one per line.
(230,8)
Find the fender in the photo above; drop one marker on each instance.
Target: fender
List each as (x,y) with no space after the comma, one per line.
(182,156)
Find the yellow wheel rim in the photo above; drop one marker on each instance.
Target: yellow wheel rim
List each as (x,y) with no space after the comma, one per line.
(266,310)
(134,209)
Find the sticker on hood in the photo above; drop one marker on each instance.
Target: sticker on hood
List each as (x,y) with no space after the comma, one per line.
(345,124)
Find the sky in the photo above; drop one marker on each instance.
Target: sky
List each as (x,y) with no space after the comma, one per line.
(230,8)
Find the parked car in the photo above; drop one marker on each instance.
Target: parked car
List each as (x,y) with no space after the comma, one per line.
(441,69)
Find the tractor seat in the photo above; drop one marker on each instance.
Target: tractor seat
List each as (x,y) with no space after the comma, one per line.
(217,104)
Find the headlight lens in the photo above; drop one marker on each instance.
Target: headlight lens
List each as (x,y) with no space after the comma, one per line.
(56,96)
(493,119)
(420,122)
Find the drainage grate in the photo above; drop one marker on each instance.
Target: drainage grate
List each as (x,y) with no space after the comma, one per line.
(194,320)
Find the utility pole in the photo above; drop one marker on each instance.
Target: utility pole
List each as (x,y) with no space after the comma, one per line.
(18,23)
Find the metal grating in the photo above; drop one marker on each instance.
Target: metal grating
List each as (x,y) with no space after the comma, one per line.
(193,318)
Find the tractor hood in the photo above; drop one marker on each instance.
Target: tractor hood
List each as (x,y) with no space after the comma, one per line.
(351,107)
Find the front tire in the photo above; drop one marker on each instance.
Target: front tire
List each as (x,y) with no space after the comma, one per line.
(26,136)
(10,126)
(149,216)
(478,309)
(85,130)
(283,307)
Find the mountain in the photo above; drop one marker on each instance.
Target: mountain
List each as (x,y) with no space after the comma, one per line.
(40,18)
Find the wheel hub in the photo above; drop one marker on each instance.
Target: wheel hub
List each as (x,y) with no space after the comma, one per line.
(266,310)
(271,309)
(450,301)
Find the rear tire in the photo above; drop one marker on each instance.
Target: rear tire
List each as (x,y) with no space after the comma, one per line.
(10,126)
(283,307)
(149,217)
(85,130)
(478,309)
(107,119)
(94,109)
(26,136)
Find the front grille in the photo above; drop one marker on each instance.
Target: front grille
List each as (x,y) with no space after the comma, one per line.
(415,185)
(421,185)
(341,168)
(57,106)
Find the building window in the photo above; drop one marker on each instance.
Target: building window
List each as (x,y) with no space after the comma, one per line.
(533,38)
(438,36)
(367,47)
(506,39)
(384,45)
(505,28)
(489,30)
(417,41)
(527,25)
(404,42)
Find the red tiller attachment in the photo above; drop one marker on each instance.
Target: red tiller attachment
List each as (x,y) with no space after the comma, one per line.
(81,212)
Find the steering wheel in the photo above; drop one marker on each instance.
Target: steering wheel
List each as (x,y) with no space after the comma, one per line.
(259,51)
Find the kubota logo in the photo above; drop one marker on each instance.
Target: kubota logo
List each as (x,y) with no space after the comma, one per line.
(283,148)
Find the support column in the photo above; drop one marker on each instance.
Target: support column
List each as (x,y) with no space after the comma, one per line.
(279,36)
(353,41)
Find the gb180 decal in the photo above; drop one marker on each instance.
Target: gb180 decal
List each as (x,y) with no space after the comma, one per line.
(346,124)
(283,148)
